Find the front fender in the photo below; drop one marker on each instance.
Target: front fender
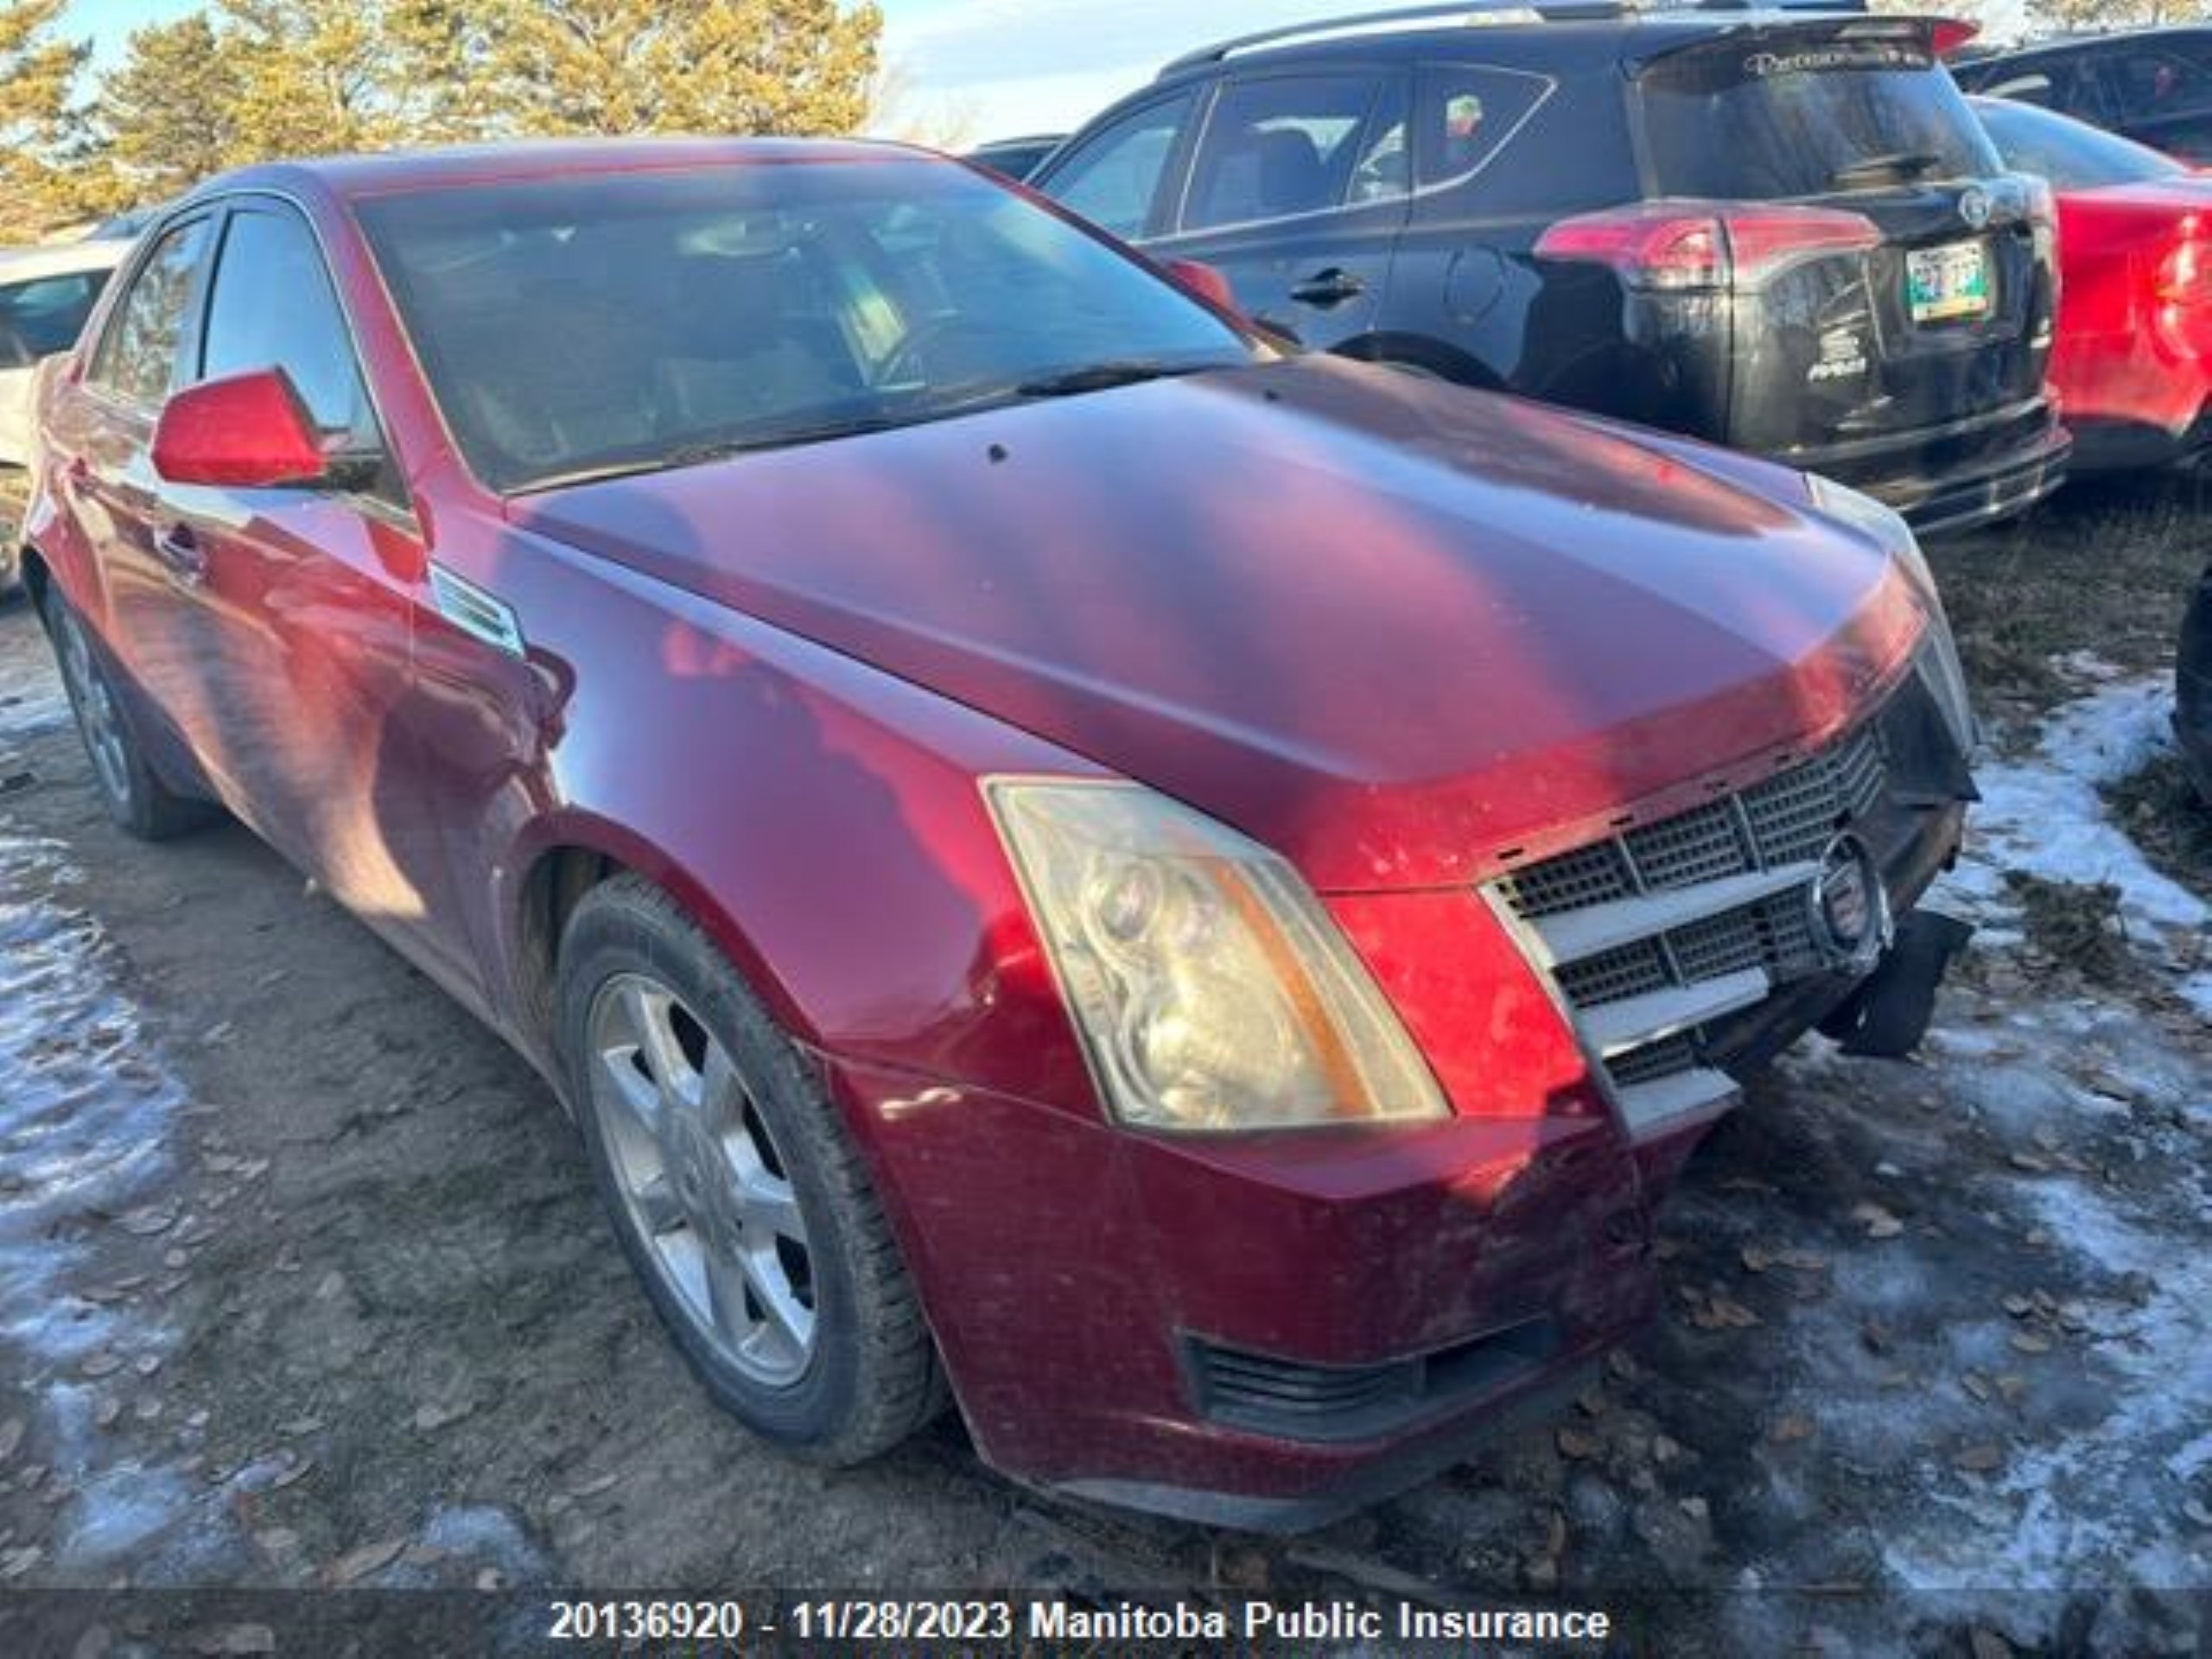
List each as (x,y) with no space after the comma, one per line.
(821,820)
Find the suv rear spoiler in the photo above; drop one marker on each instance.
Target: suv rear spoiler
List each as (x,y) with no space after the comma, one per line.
(1474,13)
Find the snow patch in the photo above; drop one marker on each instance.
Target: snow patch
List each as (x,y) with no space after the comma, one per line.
(86,1108)
(2044,816)
(2101,1503)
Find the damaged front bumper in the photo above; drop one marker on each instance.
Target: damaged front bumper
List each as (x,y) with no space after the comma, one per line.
(1267,1331)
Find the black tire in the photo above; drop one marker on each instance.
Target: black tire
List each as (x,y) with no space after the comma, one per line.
(872,1378)
(134,794)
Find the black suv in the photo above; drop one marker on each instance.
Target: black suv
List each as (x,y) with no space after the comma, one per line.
(1777,230)
(2154,84)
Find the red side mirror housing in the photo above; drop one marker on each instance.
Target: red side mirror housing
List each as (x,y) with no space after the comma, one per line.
(1207,282)
(246,431)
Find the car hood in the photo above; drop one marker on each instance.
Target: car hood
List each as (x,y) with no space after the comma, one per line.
(1394,629)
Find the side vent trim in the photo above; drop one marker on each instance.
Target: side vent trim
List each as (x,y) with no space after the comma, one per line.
(474,611)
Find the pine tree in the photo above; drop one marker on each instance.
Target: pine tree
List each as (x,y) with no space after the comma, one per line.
(38,80)
(169,110)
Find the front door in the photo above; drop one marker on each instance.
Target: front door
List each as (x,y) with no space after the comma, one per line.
(309,597)
(1298,190)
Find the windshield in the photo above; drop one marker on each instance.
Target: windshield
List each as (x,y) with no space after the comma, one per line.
(2070,153)
(1773,118)
(631,321)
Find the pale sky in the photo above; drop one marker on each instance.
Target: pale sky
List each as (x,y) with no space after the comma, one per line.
(996,68)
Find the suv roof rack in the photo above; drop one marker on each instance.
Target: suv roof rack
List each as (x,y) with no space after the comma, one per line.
(1493,11)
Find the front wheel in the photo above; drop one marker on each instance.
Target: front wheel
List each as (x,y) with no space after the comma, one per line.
(134,794)
(733,1187)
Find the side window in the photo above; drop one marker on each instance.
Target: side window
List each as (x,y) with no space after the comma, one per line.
(273,307)
(2033,87)
(1466,114)
(136,358)
(2153,82)
(1115,178)
(1283,145)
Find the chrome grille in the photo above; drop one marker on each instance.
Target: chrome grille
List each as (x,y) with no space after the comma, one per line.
(1663,1059)
(1783,820)
(1632,971)
(1775,935)
(1652,934)
(1588,875)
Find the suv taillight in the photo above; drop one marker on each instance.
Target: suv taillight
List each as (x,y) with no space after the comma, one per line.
(1948,34)
(1675,245)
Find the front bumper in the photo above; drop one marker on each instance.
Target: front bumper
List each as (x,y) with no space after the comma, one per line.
(1266,1332)
(1269,1331)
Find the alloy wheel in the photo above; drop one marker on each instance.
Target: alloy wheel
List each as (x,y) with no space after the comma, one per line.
(98,721)
(700,1175)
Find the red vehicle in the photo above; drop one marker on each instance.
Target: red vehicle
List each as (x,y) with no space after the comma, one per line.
(2133,362)
(1190,899)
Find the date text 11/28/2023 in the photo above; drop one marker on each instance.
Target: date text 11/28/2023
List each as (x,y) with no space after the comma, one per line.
(993,1618)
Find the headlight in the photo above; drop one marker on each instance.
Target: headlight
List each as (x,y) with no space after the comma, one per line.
(1938,664)
(1211,990)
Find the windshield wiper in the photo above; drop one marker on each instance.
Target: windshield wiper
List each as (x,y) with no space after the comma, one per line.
(1097,377)
(1102,376)
(1902,164)
(701,454)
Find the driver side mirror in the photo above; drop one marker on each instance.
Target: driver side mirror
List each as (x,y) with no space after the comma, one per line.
(245,431)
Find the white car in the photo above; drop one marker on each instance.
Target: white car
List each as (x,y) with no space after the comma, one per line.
(46,293)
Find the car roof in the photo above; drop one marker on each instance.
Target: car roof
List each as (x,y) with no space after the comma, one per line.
(349,176)
(1636,29)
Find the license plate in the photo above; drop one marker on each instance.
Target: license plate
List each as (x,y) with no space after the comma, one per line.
(1941,283)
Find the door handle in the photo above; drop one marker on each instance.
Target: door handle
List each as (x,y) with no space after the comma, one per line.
(180,552)
(1330,287)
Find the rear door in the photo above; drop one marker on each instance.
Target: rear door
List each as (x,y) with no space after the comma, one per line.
(152,611)
(1889,278)
(1298,190)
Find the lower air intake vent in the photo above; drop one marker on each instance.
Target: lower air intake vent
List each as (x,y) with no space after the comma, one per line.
(1294,1401)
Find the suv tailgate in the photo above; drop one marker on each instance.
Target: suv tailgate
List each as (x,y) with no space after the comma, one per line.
(1938,321)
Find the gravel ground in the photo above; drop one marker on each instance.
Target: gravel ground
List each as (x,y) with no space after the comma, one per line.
(302,1281)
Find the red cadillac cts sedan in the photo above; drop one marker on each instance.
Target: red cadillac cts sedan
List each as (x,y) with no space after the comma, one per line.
(1187,900)
(2133,361)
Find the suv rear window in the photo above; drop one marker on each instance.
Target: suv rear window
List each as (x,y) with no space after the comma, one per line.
(1774,118)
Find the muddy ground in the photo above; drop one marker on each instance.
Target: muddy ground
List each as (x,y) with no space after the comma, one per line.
(302,1281)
